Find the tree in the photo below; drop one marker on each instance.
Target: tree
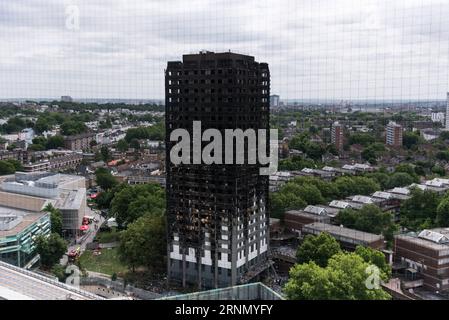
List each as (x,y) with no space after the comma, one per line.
(309,281)
(318,249)
(314,150)
(105,198)
(59,272)
(122,145)
(50,249)
(364,139)
(369,219)
(36,147)
(442,218)
(407,168)
(373,256)
(55,142)
(42,124)
(105,179)
(72,127)
(131,202)
(154,132)
(400,179)
(283,201)
(439,170)
(365,186)
(444,135)
(309,193)
(55,218)
(348,186)
(16,163)
(135,144)
(370,155)
(410,139)
(14,124)
(381,178)
(105,154)
(420,209)
(344,278)
(143,243)
(6,167)
(328,190)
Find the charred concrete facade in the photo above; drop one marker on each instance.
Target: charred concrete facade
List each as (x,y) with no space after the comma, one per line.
(217,219)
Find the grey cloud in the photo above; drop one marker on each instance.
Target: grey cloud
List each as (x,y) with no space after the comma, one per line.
(313,47)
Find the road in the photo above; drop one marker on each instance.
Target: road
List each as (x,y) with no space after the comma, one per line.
(86,238)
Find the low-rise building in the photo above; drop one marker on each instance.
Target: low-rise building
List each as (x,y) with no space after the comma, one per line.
(348,238)
(79,142)
(58,163)
(295,220)
(19,228)
(32,191)
(427,255)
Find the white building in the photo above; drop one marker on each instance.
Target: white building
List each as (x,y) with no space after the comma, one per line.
(274,101)
(438,117)
(31,190)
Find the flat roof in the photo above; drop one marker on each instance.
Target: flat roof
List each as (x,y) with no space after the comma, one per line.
(250,291)
(343,232)
(429,244)
(20,283)
(302,213)
(71,199)
(27,220)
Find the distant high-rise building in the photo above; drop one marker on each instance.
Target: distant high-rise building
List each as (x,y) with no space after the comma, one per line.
(394,134)
(447,112)
(217,220)
(274,101)
(438,117)
(337,135)
(66,99)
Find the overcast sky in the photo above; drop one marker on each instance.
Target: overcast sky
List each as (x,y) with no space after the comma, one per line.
(325,49)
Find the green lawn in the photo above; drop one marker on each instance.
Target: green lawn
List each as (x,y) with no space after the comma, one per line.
(108,236)
(107,262)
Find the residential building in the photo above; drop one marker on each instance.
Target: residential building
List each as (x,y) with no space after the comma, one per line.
(337,136)
(348,238)
(295,220)
(79,142)
(426,255)
(394,134)
(274,101)
(66,99)
(218,225)
(58,163)
(438,117)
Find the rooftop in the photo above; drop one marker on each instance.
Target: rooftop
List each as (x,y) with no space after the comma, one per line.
(25,221)
(382,195)
(315,210)
(339,204)
(342,232)
(18,283)
(433,239)
(362,199)
(251,291)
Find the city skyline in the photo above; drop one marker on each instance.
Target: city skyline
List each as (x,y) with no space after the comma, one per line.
(339,50)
